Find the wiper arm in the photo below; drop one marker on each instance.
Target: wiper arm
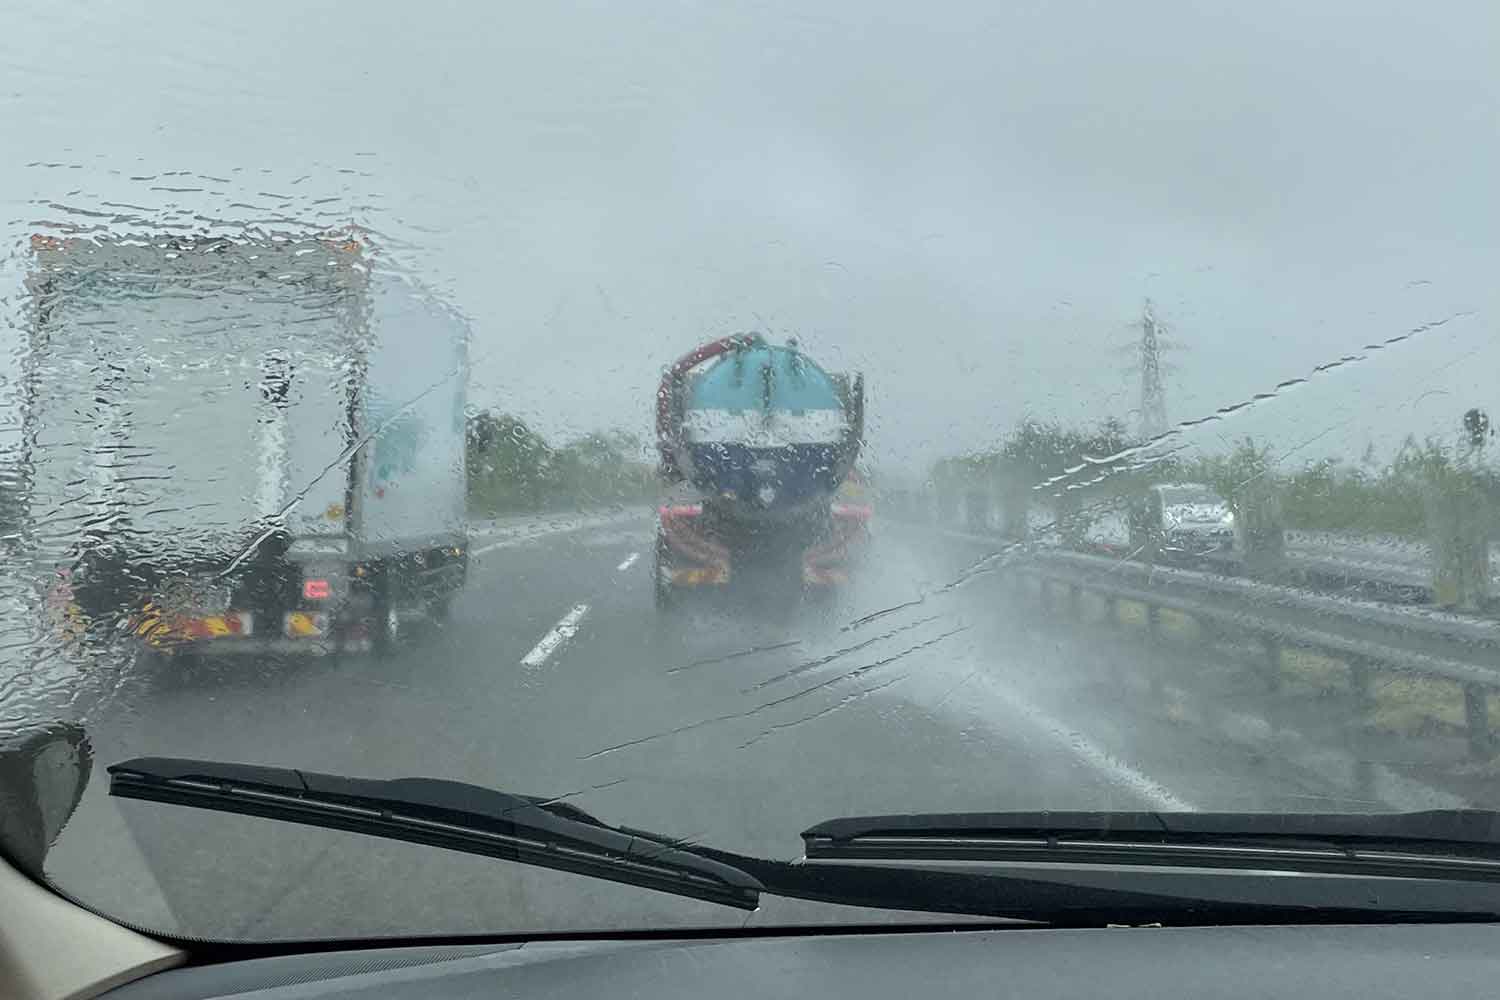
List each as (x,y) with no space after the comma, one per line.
(1442,844)
(448,814)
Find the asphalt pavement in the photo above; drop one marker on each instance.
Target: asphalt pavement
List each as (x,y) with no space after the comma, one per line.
(735,723)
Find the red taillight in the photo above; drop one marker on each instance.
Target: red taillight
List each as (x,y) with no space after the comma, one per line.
(316,590)
(854,511)
(681,510)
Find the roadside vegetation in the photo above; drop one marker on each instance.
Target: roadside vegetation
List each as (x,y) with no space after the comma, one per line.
(1366,497)
(513,469)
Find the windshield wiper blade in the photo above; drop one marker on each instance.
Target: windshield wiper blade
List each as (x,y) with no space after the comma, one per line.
(856,861)
(1077,868)
(439,813)
(1439,843)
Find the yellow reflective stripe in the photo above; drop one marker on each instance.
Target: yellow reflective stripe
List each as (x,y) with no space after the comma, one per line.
(216,626)
(699,576)
(298,624)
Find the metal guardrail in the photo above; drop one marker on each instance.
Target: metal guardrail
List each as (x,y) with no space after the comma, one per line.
(1384,567)
(1369,637)
(1407,618)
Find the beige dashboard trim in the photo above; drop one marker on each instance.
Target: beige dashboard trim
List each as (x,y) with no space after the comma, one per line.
(51,949)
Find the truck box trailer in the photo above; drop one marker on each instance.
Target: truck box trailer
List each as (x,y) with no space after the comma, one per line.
(242,445)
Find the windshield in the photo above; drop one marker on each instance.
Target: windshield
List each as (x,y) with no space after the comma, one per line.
(728,419)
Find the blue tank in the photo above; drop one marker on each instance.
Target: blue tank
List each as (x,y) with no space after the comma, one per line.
(765,428)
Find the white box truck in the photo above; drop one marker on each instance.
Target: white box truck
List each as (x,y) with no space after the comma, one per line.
(240,446)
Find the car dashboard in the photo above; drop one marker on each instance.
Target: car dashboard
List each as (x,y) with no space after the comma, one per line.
(1322,962)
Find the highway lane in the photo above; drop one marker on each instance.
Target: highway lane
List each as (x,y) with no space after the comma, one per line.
(735,724)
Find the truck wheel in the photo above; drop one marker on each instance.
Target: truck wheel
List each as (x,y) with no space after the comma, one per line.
(387,631)
(664,593)
(666,596)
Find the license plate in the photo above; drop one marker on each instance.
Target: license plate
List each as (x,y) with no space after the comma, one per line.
(305,624)
(196,597)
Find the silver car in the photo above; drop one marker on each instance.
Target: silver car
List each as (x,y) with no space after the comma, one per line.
(1182,520)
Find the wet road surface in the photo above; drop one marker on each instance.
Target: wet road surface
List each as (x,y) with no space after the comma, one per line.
(734,725)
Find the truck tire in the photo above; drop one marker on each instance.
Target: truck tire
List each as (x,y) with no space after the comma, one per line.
(665,595)
(386,629)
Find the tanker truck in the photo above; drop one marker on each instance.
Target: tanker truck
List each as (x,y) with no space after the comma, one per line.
(758,449)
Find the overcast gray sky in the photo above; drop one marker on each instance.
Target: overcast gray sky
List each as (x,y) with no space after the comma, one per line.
(967,201)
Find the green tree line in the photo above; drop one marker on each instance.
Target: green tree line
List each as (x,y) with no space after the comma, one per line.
(1021,466)
(512,468)
(1366,497)
(1324,494)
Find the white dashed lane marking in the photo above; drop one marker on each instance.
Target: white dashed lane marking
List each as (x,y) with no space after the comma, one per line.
(559,634)
(629,562)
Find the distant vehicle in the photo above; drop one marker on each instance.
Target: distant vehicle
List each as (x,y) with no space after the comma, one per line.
(1108,534)
(758,445)
(1181,521)
(243,447)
